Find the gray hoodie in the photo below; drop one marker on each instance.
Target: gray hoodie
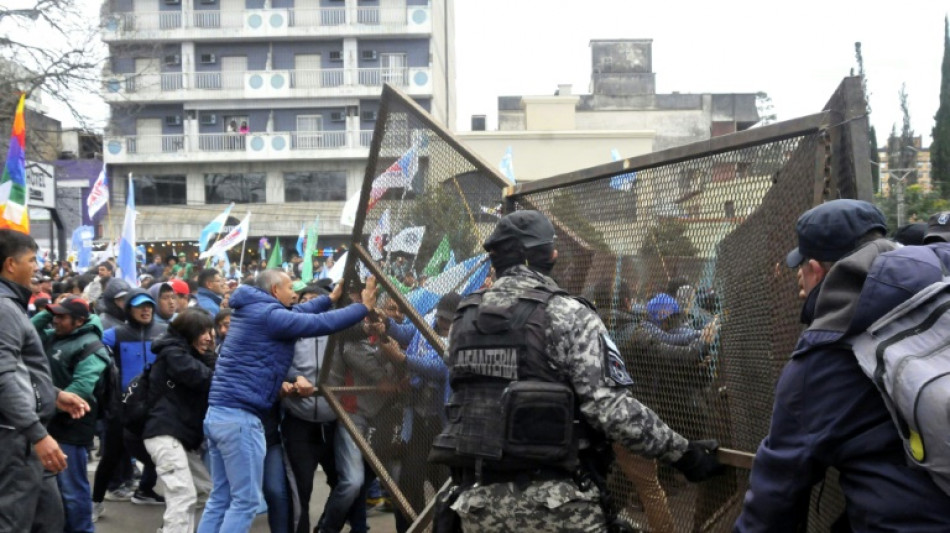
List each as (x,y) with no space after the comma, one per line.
(308,358)
(27,395)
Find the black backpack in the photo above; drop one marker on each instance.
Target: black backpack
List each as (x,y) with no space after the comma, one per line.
(106,391)
(133,410)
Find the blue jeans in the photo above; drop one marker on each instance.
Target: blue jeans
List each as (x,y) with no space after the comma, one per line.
(276,492)
(237,448)
(350,473)
(75,490)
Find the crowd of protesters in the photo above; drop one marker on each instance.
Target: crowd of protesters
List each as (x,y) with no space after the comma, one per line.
(227,355)
(232,360)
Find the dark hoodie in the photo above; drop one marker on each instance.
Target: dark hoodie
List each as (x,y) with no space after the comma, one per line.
(828,414)
(178,411)
(131,342)
(27,394)
(109,313)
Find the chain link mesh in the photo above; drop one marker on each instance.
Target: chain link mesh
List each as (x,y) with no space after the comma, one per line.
(704,232)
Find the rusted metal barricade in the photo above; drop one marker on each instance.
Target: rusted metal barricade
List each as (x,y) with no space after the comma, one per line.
(702,228)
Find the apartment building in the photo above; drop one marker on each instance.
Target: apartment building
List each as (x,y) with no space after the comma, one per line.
(270,104)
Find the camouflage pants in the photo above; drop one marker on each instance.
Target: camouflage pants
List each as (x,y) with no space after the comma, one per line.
(544,507)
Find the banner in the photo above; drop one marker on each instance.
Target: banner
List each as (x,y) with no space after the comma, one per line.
(232,239)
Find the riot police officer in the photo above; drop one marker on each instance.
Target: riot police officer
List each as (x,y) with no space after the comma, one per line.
(539,392)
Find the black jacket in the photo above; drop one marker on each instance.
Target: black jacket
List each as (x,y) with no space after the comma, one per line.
(178,390)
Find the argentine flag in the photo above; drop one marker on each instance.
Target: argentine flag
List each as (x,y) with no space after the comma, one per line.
(213,228)
(126,254)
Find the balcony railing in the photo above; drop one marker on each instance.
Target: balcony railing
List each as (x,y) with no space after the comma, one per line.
(300,80)
(308,18)
(219,80)
(304,79)
(169,81)
(216,19)
(235,142)
(366,138)
(154,144)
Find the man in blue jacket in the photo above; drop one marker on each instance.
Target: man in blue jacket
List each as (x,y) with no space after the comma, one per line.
(210,290)
(827,413)
(248,377)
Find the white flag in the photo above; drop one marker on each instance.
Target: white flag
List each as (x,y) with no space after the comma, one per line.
(237,235)
(407,241)
(348,216)
(378,237)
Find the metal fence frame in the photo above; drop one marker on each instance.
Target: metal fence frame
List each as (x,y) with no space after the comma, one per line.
(842,170)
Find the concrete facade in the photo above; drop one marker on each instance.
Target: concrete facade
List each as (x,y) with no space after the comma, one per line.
(565,132)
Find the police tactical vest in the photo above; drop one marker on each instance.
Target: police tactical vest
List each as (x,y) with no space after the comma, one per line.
(509,410)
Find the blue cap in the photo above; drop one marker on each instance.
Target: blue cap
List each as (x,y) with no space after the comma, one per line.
(834,229)
(662,306)
(140,299)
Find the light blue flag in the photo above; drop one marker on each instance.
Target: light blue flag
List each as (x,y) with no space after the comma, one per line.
(213,228)
(126,255)
(451,262)
(623,182)
(82,243)
(300,239)
(508,166)
(464,278)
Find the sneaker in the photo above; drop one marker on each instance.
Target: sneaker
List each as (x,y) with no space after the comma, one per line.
(121,494)
(141,497)
(372,503)
(98,509)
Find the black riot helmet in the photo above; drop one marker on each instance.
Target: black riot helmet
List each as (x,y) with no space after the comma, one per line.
(522,237)
(530,228)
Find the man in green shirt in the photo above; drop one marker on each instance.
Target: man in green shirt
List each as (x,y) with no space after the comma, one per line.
(77,359)
(183,269)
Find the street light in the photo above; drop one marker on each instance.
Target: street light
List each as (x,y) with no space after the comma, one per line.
(901,181)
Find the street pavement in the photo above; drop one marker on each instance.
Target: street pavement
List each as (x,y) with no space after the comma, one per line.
(125,517)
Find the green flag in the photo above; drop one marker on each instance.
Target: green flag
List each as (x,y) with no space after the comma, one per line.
(441,255)
(276,257)
(306,273)
(399,285)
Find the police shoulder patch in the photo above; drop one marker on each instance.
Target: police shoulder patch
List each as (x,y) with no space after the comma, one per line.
(614,367)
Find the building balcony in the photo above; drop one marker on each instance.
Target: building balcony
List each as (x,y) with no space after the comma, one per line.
(332,22)
(326,83)
(233,147)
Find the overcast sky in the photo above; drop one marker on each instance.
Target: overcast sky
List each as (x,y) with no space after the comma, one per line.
(795,51)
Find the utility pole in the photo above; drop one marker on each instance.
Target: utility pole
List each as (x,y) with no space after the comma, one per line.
(899,184)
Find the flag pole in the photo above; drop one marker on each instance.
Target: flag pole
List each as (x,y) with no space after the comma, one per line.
(244,244)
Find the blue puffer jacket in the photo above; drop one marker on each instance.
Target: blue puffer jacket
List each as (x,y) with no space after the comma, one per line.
(259,347)
(828,414)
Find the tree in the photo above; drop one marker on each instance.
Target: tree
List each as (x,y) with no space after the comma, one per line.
(901,149)
(872,134)
(441,210)
(940,148)
(763,105)
(918,205)
(667,238)
(568,214)
(50,51)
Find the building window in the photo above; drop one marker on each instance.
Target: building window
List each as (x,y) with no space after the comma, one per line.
(237,188)
(314,186)
(160,190)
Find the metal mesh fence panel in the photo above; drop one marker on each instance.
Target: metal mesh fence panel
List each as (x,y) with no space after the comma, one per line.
(701,230)
(427,206)
(700,239)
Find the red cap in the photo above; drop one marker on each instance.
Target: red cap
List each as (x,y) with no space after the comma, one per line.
(179,286)
(76,307)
